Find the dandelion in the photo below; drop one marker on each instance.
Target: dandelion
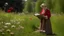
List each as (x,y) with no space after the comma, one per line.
(7,23)
(13,26)
(8,30)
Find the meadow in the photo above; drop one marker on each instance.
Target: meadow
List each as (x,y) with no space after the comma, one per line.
(26,24)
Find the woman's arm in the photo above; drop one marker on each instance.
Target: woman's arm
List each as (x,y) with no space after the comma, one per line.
(47,14)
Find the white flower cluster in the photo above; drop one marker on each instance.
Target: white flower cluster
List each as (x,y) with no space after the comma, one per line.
(3,33)
(8,30)
(13,21)
(7,23)
(5,26)
(21,27)
(13,26)
(1,30)
(2,22)
(11,33)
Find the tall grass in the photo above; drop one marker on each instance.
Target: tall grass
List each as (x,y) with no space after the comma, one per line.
(58,24)
(30,24)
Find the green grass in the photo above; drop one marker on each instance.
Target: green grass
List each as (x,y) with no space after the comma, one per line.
(30,24)
(58,24)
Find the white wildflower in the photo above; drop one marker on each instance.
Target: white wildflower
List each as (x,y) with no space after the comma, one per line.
(21,27)
(13,26)
(2,22)
(7,23)
(18,22)
(12,33)
(1,30)
(5,26)
(8,30)
(11,20)
(3,33)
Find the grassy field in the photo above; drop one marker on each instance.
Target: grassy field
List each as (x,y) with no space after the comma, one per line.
(26,24)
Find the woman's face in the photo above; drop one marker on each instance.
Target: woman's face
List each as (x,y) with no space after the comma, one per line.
(44,7)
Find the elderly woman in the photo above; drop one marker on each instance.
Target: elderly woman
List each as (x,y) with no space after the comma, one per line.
(45,20)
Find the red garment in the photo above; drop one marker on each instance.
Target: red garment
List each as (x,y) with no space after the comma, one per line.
(8,11)
(42,12)
(46,13)
(11,8)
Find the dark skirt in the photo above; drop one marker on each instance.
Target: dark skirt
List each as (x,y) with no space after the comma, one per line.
(46,25)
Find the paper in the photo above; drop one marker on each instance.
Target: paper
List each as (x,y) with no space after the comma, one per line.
(37,14)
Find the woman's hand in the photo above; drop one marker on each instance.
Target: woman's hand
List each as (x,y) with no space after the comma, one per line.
(46,17)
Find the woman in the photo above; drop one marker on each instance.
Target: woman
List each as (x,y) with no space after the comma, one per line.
(45,20)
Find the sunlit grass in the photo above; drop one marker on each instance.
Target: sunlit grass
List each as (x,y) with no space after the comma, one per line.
(26,24)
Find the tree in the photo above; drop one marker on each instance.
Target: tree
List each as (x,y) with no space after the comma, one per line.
(57,7)
(37,5)
(61,2)
(28,6)
(48,3)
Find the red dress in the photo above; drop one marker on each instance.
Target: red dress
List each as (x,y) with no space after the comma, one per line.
(45,23)
(46,13)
